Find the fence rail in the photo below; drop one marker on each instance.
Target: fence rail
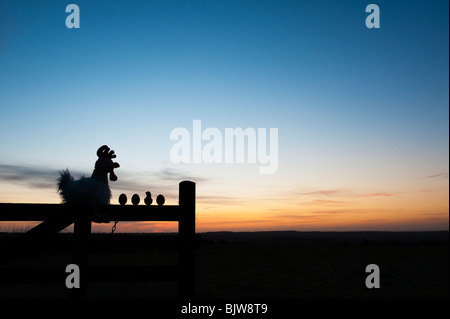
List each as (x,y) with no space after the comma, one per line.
(41,212)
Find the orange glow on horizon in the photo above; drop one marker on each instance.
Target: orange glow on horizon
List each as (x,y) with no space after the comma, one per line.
(426,209)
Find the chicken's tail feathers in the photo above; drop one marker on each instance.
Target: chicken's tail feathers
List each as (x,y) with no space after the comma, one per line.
(63,181)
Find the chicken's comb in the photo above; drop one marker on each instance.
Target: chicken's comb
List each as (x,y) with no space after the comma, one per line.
(104,151)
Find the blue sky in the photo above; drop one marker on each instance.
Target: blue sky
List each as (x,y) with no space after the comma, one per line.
(359,109)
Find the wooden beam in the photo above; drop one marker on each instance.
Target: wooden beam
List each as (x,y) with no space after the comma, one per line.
(40,212)
(141,213)
(82,231)
(31,212)
(186,231)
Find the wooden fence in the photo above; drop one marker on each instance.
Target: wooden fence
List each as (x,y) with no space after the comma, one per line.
(56,217)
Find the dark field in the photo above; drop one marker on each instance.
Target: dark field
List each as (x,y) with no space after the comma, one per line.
(261,266)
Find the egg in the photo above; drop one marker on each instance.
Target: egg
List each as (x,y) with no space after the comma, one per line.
(135,199)
(160,200)
(122,199)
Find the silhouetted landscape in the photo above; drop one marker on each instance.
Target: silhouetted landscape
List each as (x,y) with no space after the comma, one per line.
(258,265)
(226,116)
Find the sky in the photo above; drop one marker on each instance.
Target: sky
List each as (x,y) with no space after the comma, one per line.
(362,114)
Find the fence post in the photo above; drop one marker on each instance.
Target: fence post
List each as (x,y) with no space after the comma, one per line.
(186,230)
(82,231)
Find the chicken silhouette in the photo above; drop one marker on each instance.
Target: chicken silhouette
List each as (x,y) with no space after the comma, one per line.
(92,191)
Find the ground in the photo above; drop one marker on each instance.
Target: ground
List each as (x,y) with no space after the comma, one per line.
(268,266)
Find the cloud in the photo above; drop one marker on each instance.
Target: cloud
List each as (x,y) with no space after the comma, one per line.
(165,180)
(378,194)
(20,173)
(171,174)
(325,192)
(34,177)
(209,207)
(317,214)
(300,216)
(438,214)
(223,200)
(45,178)
(238,221)
(328,202)
(440,175)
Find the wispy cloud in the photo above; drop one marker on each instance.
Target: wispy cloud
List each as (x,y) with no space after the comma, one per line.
(164,181)
(34,177)
(439,175)
(378,194)
(300,216)
(171,174)
(45,178)
(223,200)
(328,202)
(324,213)
(325,192)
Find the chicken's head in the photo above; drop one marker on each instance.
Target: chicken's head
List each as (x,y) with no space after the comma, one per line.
(105,164)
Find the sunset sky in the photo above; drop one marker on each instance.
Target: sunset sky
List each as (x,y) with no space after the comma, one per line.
(362,114)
